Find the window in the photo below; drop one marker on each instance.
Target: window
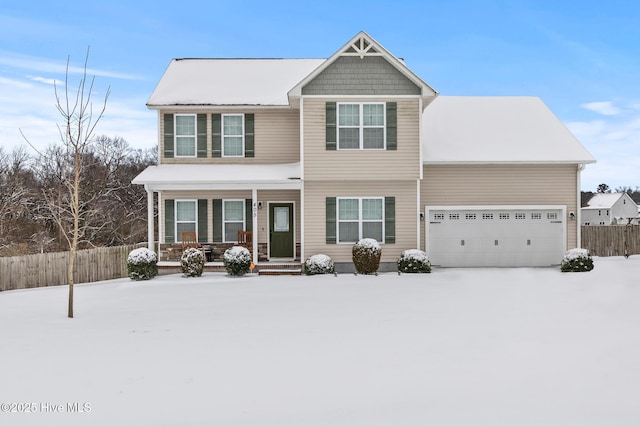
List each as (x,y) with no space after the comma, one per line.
(536,215)
(233,219)
(438,216)
(470,216)
(487,216)
(186,214)
(504,216)
(454,216)
(360,218)
(552,215)
(232,135)
(361,126)
(521,215)
(185,131)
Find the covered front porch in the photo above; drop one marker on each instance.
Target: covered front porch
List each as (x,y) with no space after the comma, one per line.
(218,201)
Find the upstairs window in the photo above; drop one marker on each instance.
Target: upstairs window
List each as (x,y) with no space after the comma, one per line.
(233,135)
(185,132)
(361,126)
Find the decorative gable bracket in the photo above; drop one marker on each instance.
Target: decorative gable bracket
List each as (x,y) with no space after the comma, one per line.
(361,47)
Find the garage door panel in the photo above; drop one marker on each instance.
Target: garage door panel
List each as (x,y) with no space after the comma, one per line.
(503,237)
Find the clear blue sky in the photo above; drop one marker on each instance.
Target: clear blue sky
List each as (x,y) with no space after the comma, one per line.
(582,58)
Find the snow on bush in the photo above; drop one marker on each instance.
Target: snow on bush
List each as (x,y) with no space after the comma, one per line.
(414,261)
(237,260)
(319,264)
(576,260)
(192,262)
(142,264)
(366,256)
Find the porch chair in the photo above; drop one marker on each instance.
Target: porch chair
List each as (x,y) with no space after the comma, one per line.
(245,238)
(190,240)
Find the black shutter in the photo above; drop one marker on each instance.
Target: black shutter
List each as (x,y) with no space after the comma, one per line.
(331,128)
(392,126)
(216,134)
(169,221)
(202,135)
(331,220)
(202,221)
(217,220)
(168,135)
(249,137)
(248,214)
(389,219)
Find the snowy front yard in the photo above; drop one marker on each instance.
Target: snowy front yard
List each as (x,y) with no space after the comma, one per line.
(458,347)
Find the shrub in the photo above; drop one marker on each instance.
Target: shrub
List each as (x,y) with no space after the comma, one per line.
(576,260)
(192,261)
(366,256)
(414,261)
(237,260)
(319,264)
(142,264)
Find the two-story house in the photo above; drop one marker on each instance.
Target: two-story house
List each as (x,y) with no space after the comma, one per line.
(311,155)
(609,209)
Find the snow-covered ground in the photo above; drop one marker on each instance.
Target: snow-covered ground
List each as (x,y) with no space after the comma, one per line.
(457,347)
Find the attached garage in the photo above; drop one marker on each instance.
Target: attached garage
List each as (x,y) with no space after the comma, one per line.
(495,236)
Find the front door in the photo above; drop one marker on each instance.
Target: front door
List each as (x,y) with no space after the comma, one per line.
(281,230)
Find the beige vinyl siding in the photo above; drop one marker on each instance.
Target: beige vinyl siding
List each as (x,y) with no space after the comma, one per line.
(315,195)
(502,185)
(401,164)
(264,196)
(277,137)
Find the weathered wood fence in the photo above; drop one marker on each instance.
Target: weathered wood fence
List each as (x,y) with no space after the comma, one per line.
(611,240)
(50,269)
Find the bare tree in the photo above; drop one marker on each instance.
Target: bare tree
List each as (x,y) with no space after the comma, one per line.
(68,204)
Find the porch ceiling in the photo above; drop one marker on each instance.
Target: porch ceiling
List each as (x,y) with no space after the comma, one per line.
(220,177)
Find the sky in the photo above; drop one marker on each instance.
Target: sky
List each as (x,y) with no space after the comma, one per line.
(583,62)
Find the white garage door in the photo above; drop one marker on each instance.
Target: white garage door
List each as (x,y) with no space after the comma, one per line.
(505,236)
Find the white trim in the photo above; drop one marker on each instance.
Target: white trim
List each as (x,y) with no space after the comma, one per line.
(523,162)
(302,138)
(175,135)
(175,218)
(150,231)
(302,228)
(418,201)
(293,203)
(363,96)
(222,136)
(160,138)
(231,185)
(216,107)
(244,219)
(579,206)
(161,221)
(254,224)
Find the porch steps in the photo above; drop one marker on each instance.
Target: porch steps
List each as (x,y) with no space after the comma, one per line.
(279,269)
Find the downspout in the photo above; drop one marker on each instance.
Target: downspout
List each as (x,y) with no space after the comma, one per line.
(302,233)
(579,207)
(254,224)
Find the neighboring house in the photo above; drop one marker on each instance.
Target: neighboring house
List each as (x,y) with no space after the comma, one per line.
(610,209)
(315,154)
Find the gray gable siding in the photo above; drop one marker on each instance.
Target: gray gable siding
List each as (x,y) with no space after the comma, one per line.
(352,75)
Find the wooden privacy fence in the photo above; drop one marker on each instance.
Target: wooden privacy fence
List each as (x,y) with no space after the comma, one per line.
(611,240)
(50,269)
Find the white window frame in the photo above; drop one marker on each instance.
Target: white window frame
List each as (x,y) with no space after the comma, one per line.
(224,136)
(360,218)
(224,219)
(361,126)
(175,218)
(176,136)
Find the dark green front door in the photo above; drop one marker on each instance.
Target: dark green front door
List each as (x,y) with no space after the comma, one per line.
(281,230)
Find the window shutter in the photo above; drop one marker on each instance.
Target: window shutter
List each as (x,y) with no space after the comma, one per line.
(168,135)
(202,221)
(169,221)
(392,126)
(217,220)
(389,219)
(216,136)
(331,221)
(331,128)
(248,214)
(249,137)
(202,135)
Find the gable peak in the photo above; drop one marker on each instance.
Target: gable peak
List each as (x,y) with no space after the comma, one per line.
(361,46)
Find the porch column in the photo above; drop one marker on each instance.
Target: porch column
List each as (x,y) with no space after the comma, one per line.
(150,242)
(254,210)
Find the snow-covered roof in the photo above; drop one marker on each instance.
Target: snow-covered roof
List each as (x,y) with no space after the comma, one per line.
(216,177)
(604,200)
(207,82)
(496,129)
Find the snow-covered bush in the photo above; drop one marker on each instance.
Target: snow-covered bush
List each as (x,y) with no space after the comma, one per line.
(366,256)
(192,262)
(414,261)
(237,260)
(142,264)
(576,260)
(319,264)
